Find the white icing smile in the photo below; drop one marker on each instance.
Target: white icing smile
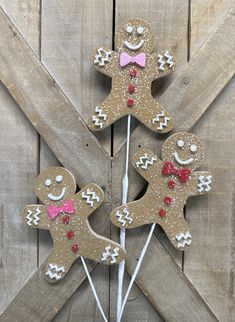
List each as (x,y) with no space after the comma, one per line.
(131,46)
(56,198)
(180,161)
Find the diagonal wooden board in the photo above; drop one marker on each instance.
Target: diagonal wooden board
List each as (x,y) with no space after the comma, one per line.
(13,84)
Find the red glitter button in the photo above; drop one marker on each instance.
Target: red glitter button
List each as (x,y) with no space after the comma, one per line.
(130,102)
(131,88)
(167,200)
(74,248)
(133,72)
(171,184)
(70,234)
(162,213)
(66,220)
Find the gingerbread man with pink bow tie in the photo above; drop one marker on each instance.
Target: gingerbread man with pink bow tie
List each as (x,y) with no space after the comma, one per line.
(65,215)
(133,67)
(171,181)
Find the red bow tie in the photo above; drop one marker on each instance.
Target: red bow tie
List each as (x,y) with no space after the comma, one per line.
(54,211)
(182,174)
(126,59)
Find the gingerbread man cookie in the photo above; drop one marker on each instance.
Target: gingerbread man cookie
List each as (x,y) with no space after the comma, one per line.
(65,214)
(171,182)
(132,67)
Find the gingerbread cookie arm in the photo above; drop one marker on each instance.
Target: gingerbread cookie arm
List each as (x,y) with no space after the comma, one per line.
(146,162)
(165,64)
(58,265)
(89,198)
(104,61)
(36,216)
(200,183)
(136,213)
(101,249)
(177,230)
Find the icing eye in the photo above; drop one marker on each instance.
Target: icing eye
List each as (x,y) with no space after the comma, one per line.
(180,143)
(129,29)
(140,30)
(58,179)
(47,182)
(193,148)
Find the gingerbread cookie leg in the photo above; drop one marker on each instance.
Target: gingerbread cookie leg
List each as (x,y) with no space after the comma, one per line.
(135,213)
(36,216)
(105,115)
(156,118)
(200,183)
(103,250)
(58,265)
(179,234)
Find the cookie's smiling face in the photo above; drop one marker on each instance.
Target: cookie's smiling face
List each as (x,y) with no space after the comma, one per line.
(184,150)
(54,185)
(135,35)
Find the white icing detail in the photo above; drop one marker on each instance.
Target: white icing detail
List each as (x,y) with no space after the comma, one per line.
(56,198)
(48,182)
(180,143)
(110,252)
(97,118)
(145,162)
(55,271)
(183,239)
(131,46)
(123,217)
(193,148)
(59,178)
(129,29)
(140,30)
(33,218)
(102,57)
(90,197)
(180,161)
(204,183)
(162,123)
(165,59)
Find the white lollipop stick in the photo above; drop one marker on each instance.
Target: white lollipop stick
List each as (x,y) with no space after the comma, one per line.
(137,268)
(93,289)
(125,185)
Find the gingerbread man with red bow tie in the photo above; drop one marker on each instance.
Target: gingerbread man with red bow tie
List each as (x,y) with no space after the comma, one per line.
(171,182)
(133,67)
(65,214)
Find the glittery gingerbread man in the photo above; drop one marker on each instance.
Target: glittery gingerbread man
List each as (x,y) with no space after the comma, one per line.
(65,215)
(171,182)
(133,67)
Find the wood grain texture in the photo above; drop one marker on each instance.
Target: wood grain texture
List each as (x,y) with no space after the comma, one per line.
(18,168)
(49,110)
(71,30)
(210,262)
(163,282)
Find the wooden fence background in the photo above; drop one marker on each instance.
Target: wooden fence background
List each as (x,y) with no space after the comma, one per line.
(63,34)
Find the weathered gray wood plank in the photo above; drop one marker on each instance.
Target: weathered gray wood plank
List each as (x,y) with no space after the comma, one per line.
(18,166)
(49,110)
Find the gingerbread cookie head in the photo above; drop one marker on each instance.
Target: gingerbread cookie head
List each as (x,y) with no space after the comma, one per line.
(54,185)
(133,36)
(184,150)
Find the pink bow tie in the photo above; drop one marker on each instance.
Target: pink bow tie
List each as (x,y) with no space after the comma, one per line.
(126,59)
(54,211)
